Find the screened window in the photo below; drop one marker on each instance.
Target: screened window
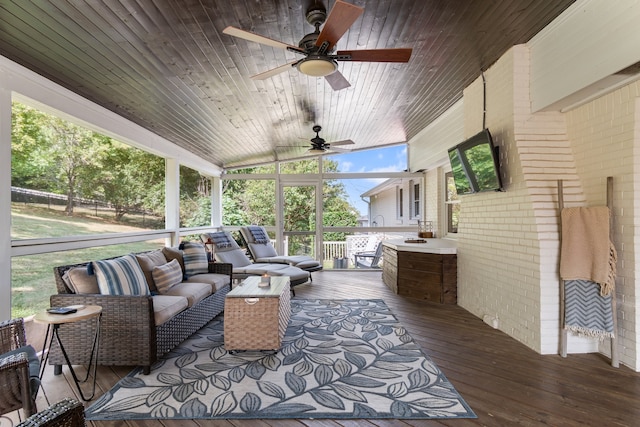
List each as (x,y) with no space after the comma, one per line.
(415,199)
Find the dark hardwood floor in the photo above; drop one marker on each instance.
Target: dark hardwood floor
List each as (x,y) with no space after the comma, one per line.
(504,382)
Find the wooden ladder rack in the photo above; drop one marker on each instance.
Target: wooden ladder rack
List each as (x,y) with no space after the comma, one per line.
(564,333)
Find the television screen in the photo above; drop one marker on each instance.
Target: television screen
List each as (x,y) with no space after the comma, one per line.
(459,175)
(474,164)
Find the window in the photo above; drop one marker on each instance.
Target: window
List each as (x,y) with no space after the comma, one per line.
(414,203)
(452,202)
(399,202)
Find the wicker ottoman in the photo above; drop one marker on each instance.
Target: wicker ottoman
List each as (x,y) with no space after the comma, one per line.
(256,318)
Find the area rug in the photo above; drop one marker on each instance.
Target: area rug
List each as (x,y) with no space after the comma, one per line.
(341,359)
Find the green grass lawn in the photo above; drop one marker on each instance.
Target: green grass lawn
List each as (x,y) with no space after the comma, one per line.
(32,280)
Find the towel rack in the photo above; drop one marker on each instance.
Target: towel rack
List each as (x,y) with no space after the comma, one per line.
(564,332)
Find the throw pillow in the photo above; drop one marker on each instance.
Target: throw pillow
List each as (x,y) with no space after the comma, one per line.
(195,258)
(121,276)
(173,253)
(80,282)
(149,260)
(167,275)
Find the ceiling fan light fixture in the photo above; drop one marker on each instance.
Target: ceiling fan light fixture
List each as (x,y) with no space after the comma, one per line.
(316,150)
(317,66)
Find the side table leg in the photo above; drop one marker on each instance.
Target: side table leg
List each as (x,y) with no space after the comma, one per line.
(44,357)
(94,349)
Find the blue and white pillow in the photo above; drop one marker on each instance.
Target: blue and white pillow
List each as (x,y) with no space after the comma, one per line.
(121,276)
(195,258)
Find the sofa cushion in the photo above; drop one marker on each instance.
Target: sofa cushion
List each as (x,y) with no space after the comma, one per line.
(80,282)
(121,276)
(195,258)
(173,253)
(192,291)
(167,275)
(215,280)
(149,260)
(166,307)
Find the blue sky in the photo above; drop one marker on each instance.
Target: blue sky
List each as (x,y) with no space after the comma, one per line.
(387,159)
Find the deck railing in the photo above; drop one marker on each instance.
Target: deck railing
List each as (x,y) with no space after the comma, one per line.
(333,250)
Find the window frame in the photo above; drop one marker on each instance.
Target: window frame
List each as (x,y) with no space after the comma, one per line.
(415,191)
(399,202)
(450,205)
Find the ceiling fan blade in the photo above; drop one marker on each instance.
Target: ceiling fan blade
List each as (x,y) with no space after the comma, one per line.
(377,55)
(247,35)
(337,81)
(339,150)
(273,71)
(341,17)
(345,142)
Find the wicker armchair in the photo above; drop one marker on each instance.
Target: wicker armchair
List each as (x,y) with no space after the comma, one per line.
(19,369)
(65,413)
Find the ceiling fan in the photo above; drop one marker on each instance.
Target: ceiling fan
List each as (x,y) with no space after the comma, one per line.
(319,145)
(317,47)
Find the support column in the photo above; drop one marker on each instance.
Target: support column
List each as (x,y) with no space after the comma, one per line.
(172,199)
(5,201)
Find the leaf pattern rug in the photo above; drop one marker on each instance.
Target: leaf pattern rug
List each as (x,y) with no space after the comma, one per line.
(341,359)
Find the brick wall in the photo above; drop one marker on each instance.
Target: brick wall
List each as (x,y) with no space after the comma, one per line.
(508,242)
(605,135)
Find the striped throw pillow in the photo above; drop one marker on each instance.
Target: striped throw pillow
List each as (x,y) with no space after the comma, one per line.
(195,258)
(121,276)
(167,275)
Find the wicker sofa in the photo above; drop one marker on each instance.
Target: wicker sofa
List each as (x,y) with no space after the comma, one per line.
(135,330)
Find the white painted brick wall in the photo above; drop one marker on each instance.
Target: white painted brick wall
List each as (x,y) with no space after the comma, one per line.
(508,242)
(605,134)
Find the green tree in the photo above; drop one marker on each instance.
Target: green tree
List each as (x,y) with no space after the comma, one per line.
(74,149)
(52,154)
(195,198)
(125,177)
(252,201)
(29,163)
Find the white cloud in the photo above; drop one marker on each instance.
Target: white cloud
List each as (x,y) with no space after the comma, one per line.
(346,166)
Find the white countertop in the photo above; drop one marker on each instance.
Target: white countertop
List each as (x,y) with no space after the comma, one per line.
(433,246)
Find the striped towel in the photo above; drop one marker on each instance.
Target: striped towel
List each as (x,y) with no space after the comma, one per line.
(220,239)
(258,234)
(587,312)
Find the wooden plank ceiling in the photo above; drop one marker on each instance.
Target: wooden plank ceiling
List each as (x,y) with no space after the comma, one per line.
(167,66)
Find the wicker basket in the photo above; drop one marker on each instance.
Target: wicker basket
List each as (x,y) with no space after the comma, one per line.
(256,318)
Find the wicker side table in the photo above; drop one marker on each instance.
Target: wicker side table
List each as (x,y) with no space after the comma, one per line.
(256,318)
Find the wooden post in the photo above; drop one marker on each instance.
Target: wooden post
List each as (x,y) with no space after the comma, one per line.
(563,335)
(563,330)
(615,362)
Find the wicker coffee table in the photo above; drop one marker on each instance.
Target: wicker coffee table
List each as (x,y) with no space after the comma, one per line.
(256,318)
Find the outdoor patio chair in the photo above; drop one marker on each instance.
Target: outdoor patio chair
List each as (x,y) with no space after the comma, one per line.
(261,250)
(227,250)
(19,369)
(368,259)
(67,412)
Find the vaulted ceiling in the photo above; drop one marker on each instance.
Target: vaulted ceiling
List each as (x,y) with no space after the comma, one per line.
(167,66)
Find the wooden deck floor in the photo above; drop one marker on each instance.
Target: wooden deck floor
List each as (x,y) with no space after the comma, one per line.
(504,382)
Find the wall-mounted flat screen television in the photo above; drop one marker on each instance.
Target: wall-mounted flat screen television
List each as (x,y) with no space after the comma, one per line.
(474,164)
